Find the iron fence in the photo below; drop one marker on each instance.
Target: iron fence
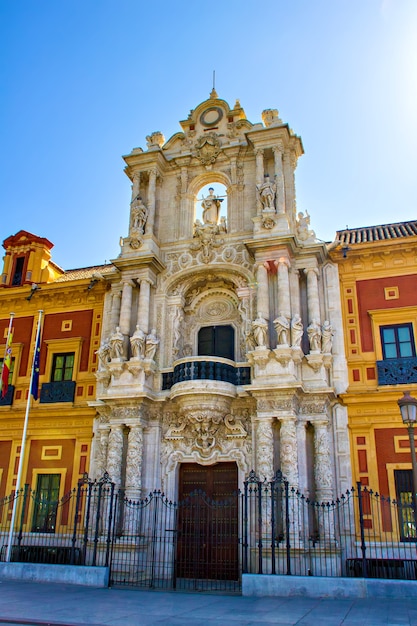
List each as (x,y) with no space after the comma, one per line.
(74,530)
(198,543)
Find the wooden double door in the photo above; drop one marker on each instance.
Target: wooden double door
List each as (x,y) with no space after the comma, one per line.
(207,535)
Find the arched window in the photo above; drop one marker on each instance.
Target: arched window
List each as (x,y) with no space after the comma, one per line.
(217,341)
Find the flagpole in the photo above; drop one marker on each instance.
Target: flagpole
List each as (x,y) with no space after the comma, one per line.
(22,447)
(7,343)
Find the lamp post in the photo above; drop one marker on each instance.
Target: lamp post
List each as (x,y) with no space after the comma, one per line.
(408,408)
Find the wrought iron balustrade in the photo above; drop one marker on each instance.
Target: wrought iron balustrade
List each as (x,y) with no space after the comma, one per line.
(210,369)
(8,398)
(63,391)
(397,371)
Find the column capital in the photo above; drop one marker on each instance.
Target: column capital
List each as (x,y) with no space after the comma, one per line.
(259,152)
(308,270)
(278,148)
(282,261)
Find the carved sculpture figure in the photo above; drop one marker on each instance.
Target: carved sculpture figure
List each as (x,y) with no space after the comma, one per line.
(103,354)
(137,343)
(176,331)
(327,334)
(260,331)
(138,215)
(151,344)
(297,330)
(211,208)
(303,226)
(116,344)
(282,326)
(266,193)
(314,336)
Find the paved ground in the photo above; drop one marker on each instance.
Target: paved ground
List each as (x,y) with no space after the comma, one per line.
(56,604)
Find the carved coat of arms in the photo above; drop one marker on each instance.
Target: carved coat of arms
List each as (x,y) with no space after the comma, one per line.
(208,148)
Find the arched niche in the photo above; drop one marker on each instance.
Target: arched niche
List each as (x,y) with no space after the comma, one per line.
(199,189)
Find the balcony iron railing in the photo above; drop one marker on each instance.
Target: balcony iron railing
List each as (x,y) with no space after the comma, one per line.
(397,371)
(63,391)
(8,398)
(206,369)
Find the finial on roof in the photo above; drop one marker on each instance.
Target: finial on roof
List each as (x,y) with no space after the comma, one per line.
(213,94)
(237,104)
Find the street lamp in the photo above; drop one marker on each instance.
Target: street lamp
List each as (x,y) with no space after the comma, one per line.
(408,408)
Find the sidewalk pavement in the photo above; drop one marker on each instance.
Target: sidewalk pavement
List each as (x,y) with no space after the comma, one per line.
(39,604)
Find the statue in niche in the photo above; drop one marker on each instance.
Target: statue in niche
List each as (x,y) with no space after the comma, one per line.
(138,215)
(327,334)
(116,344)
(260,331)
(314,336)
(137,343)
(282,326)
(297,330)
(211,208)
(151,345)
(176,331)
(266,193)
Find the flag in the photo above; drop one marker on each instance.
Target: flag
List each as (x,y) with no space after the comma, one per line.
(35,375)
(7,362)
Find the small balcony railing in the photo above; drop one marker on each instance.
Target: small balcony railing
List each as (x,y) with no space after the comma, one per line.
(8,398)
(63,391)
(397,371)
(207,368)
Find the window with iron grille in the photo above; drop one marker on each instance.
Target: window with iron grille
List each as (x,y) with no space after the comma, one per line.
(397,341)
(406,514)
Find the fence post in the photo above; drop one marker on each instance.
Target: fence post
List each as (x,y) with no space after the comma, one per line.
(287,527)
(22,517)
(273,495)
(260,528)
(109,523)
(77,510)
(245,528)
(362,526)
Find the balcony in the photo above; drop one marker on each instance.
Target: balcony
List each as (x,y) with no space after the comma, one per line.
(397,371)
(8,398)
(63,391)
(207,368)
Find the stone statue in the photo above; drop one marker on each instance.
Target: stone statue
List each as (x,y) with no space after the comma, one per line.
(266,193)
(211,208)
(303,227)
(327,334)
(116,344)
(176,331)
(138,215)
(314,336)
(260,331)
(296,331)
(137,343)
(151,345)
(103,354)
(282,326)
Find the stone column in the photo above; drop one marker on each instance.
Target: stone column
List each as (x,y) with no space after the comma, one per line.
(295,291)
(284,303)
(264,449)
(263,291)
(101,446)
(115,454)
(279,178)
(144,303)
(134,463)
(289,469)
(135,185)
(323,478)
(151,201)
(115,309)
(126,308)
(313,300)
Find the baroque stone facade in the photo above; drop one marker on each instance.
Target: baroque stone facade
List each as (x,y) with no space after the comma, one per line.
(222,333)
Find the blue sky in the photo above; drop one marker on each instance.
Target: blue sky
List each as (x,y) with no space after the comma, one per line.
(85,81)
